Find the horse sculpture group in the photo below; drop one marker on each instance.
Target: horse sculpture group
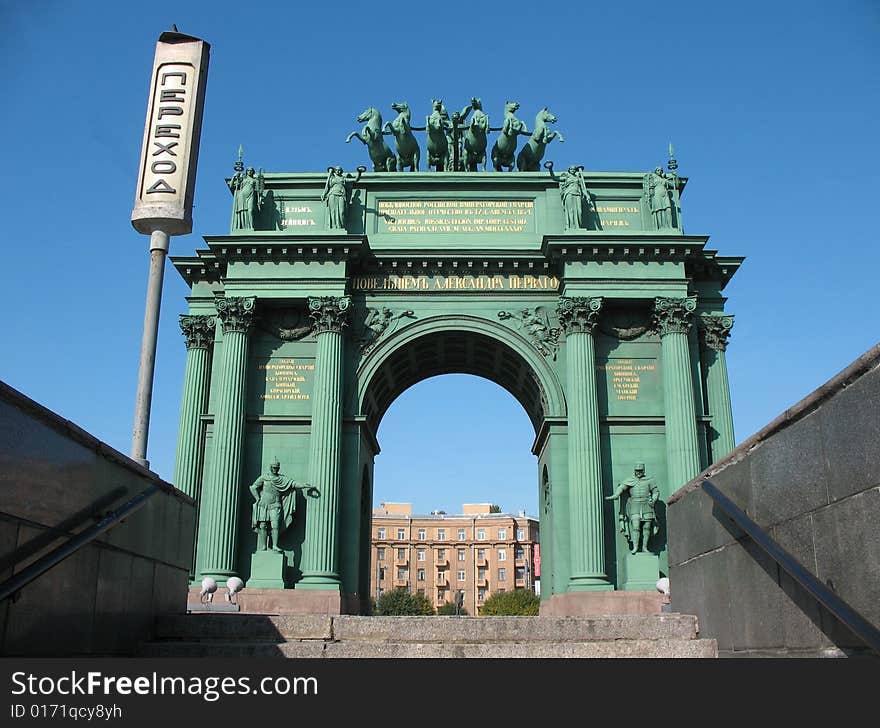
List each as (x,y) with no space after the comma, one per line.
(454,143)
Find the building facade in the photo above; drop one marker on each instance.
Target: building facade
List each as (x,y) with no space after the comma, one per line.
(476,553)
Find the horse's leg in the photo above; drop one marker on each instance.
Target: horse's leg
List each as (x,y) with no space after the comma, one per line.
(355,135)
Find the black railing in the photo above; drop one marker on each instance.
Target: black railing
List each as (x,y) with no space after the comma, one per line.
(14,584)
(856,623)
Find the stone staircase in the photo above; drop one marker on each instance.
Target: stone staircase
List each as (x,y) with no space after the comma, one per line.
(667,635)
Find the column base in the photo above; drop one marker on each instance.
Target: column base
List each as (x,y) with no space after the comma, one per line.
(219,576)
(320,581)
(641,571)
(267,570)
(591,582)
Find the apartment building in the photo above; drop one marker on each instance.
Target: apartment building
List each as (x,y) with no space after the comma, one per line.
(476,552)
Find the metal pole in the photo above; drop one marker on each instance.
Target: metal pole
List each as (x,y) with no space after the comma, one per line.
(159,243)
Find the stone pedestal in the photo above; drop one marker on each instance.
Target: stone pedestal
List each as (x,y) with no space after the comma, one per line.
(267,570)
(641,571)
(288,601)
(596,603)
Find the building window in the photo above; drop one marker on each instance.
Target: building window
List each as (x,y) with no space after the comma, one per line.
(461,534)
(420,575)
(441,595)
(481,573)
(481,594)
(520,534)
(502,554)
(422,592)
(502,574)
(441,534)
(401,534)
(518,552)
(380,591)
(502,533)
(380,554)
(422,534)
(380,534)
(441,554)
(461,575)
(441,575)
(401,553)
(520,572)
(401,572)
(462,554)
(420,554)
(381,573)
(481,553)
(481,534)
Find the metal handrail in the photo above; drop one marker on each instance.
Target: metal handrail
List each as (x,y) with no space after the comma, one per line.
(857,624)
(20,580)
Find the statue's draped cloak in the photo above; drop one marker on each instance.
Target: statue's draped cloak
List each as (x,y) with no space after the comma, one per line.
(286,488)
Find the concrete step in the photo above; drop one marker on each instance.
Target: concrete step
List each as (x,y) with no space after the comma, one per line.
(317,636)
(447,630)
(307,649)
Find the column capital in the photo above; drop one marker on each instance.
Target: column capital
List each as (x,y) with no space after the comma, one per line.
(330,313)
(579,314)
(715,329)
(673,315)
(198,330)
(236,314)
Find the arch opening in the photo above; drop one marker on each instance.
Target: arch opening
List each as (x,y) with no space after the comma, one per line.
(454,352)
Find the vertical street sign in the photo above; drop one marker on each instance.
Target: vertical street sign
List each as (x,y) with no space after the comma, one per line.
(166,183)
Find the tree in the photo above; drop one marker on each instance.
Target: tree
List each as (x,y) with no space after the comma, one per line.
(400,602)
(520,602)
(447,609)
(494,508)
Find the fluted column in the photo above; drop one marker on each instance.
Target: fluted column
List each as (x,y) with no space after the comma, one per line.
(673,317)
(218,516)
(714,331)
(320,558)
(199,333)
(579,317)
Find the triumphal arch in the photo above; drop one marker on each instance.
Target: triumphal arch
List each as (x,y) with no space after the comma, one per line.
(333,292)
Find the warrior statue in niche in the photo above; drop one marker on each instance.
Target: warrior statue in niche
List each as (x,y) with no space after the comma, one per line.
(637,520)
(274,505)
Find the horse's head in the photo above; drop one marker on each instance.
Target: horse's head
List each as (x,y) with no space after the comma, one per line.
(476,104)
(367,114)
(401,107)
(511,107)
(545,116)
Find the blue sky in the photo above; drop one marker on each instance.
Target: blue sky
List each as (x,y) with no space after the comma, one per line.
(773,109)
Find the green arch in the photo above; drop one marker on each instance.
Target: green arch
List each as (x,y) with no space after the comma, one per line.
(373,400)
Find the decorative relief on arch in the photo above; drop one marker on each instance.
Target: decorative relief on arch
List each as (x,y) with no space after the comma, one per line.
(377,322)
(539,325)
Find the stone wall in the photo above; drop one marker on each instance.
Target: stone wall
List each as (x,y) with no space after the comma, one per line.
(811,479)
(54,479)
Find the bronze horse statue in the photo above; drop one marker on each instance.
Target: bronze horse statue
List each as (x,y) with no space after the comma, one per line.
(475,137)
(504,149)
(437,125)
(404,142)
(529,159)
(372,136)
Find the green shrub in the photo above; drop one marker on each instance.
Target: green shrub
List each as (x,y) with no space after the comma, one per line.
(400,602)
(447,609)
(520,602)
